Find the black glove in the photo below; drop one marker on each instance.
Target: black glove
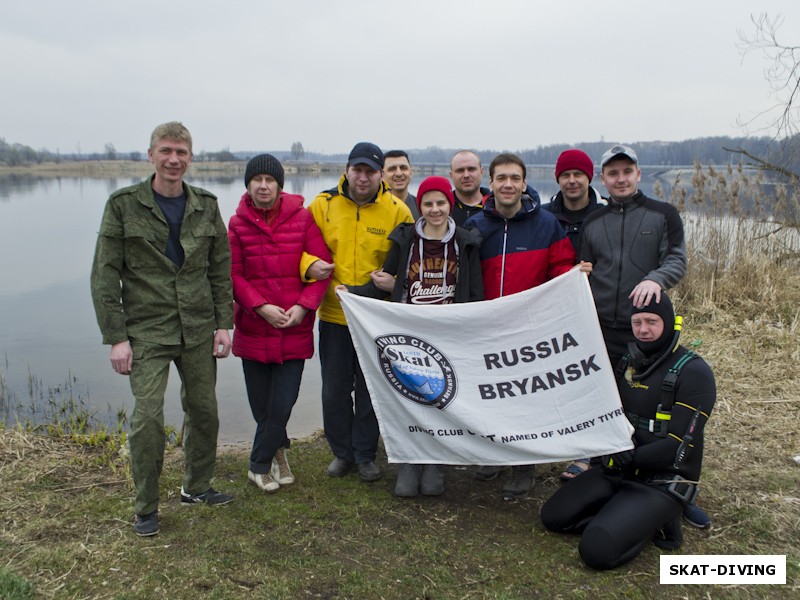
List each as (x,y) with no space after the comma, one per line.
(620,460)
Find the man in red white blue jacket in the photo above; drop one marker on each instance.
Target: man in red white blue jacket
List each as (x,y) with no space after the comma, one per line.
(523,246)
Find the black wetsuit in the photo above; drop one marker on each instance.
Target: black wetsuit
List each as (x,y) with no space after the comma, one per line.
(618,511)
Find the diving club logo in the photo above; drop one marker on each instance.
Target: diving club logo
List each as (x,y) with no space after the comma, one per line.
(416,370)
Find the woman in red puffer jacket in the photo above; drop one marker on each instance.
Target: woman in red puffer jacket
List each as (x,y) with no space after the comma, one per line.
(275,309)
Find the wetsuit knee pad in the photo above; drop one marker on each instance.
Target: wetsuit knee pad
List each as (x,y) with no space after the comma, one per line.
(549,517)
(597,549)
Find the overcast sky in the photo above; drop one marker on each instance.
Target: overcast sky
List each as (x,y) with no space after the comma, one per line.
(258,74)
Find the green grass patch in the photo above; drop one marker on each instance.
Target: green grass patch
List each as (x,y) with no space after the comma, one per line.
(13,587)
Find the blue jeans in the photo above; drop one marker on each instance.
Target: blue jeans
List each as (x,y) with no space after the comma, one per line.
(351,426)
(272,390)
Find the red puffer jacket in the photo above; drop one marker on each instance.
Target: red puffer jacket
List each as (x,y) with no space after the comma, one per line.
(265,269)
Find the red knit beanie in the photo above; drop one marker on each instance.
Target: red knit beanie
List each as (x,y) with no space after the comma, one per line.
(574,159)
(439,184)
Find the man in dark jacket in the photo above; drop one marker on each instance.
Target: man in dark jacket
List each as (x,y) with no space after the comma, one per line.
(161,289)
(466,173)
(636,247)
(576,198)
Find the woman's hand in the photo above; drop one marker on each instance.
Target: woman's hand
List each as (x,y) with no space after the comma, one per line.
(295,316)
(274,315)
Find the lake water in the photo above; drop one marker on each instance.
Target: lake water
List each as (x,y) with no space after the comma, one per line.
(49,338)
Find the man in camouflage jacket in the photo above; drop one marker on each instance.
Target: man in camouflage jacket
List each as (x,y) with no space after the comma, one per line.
(162,293)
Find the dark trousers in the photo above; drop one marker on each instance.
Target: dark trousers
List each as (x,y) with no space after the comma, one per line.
(351,427)
(615,516)
(272,390)
(616,341)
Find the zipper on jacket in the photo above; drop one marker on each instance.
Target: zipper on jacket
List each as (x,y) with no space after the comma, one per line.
(619,269)
(503,262)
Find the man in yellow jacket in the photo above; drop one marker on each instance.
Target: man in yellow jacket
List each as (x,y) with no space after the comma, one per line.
(356,219)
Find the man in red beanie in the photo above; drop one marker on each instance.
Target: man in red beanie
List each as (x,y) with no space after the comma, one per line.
(577,198)
(571,205)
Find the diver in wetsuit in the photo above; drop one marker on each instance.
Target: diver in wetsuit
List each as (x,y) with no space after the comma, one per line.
(638,495)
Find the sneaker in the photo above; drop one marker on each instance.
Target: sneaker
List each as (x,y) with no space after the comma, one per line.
(339,467)
(211,497)
(407,485)
(280,468)
(146,525)
(519,484)
(487,473)
(369,471)
(696,516)
(264,481)
(432,483)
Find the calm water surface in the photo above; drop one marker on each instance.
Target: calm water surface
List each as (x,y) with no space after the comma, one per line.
(48,229)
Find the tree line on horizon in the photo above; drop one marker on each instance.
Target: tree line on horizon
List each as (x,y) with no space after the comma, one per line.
(718,150)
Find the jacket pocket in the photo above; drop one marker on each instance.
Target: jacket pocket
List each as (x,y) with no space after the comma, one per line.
(198,245)
(142,246)
(644,251)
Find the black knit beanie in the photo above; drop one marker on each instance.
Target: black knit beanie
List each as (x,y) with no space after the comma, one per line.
(266,164)
(665,310)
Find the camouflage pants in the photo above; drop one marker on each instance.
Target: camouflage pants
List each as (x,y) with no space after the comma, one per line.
(197,368)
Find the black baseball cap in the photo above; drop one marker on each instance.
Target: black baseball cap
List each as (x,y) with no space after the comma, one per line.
(365,153)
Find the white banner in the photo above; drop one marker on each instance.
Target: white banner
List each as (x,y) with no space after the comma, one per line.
(517,380)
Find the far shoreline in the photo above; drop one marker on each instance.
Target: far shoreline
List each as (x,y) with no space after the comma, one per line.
(108,169)
(132,168)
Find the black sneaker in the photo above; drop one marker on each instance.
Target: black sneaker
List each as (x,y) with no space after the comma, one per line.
(211,497)
(146,525)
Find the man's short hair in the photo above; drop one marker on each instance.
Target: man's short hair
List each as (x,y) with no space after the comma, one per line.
(465,151)
(506,158)
(397,154)
(174,130)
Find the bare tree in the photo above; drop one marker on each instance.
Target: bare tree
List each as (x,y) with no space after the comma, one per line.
(782,118)
(782,74)
(298,152)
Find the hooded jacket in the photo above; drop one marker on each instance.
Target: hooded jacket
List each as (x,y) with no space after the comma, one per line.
(265,265)
(357,237)
(469,282)
(522,252)
(628,242)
